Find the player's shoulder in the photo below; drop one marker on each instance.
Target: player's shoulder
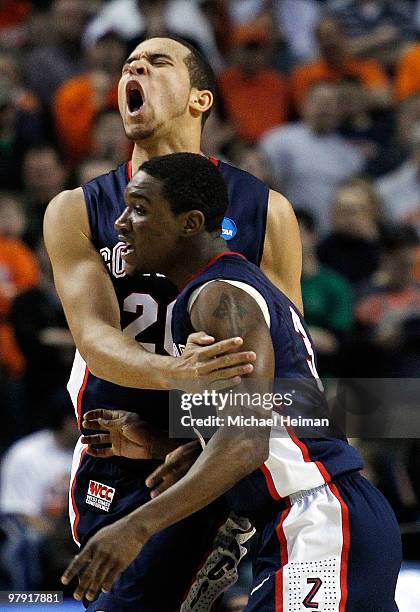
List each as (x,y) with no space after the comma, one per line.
(66,205)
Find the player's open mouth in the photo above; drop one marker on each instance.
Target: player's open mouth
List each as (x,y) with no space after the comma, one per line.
(135,97)
(128,249)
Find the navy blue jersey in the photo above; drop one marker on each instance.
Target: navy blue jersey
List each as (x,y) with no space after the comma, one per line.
(294,464)
(146,302)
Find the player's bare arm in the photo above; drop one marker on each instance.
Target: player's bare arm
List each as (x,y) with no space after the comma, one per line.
(228,457)
(92,311)
(282,255)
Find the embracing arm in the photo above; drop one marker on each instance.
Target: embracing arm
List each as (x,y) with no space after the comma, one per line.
(93,315)
(230,455)
(232,452)
(282,255)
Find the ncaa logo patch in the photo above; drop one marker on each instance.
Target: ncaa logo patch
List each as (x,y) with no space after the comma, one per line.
(99,495)
(229,229)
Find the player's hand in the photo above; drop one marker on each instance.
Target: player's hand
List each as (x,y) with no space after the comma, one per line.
(105,556)
(206,364)
(127,435)
(177,464)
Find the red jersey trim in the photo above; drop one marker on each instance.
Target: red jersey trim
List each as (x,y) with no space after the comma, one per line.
(270,482)
(75,524)
(306,456)
(210,263)
(214,160)
(284,557)
(80,396)
(345,526)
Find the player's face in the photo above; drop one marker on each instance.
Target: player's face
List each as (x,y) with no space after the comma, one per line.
(154,90)
(147,226)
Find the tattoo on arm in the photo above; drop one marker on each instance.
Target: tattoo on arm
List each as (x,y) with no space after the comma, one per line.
(226,309)
(232,313)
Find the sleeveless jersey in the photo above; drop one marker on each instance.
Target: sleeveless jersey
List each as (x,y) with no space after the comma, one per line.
(146,301)
(293,464)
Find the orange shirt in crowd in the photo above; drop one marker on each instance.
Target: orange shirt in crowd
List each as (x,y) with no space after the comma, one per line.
(18,271)
(369,72)
(407,74)
(75,106)
(255,104)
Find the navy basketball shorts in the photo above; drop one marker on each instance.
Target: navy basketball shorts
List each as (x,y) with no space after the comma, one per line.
(159,578)
(336,548)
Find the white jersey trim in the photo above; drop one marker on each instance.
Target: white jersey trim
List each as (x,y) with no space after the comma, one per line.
(244,286)
(76,379)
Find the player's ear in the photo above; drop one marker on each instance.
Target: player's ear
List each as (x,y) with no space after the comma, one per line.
(192,223)
(200,101)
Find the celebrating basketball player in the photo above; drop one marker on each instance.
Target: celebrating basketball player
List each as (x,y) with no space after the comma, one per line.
(327,539)
(166,92)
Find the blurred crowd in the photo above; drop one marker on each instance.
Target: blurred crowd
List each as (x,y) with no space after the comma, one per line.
(319,98)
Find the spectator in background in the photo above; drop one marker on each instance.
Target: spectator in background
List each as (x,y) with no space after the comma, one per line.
(91,168)
(13,14)
(388,344)
(400,189)
(370,130)
(327,299)
(243,11)
(13,221)
(21,125)
(10,149)
(35,543)
(44,339)
(108,137)
(297,19)
(255,96)
(376,28)
(44,175)
(247,158)
(49,65)
(407,73)
(80,99)
(335,63)
(309,159)
(138,19)
(218,132)
(353,247)
(18,272)
(35,471)
(219,19)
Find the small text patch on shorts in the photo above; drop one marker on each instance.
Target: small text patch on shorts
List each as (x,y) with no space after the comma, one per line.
(100,495)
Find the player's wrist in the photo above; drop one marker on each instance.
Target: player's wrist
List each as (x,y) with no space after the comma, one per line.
(161,370)
(143,524)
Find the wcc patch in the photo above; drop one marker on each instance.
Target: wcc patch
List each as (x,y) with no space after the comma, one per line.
(100,495)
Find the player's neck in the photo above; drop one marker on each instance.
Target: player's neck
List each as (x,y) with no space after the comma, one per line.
(147,149)
(193,259)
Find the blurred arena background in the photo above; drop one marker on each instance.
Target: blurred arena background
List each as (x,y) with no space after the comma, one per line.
(319,98)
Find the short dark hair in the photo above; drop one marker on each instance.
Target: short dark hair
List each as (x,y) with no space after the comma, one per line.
(199,69)
(191,182)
